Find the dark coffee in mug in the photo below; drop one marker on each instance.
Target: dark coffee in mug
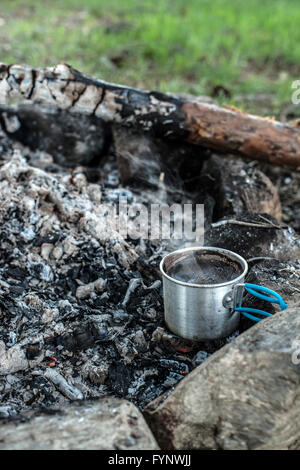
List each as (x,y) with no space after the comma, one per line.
(204,268)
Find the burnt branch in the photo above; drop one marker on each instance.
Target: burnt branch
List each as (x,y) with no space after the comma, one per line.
(165,116)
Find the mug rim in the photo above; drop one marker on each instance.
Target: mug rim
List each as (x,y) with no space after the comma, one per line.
(237,257)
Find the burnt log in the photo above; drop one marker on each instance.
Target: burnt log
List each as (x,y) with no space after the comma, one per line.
(238,188)
(68,139)
(165,116)
(106,424)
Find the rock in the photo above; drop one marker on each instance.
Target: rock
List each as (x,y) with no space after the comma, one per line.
(108,424)
(238,187)
(245,396)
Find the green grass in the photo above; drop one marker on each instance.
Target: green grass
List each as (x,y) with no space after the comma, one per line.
(250,49)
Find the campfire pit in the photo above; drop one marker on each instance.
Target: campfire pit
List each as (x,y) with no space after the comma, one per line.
(82,314)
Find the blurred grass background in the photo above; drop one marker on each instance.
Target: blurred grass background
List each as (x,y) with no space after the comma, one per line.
(243,53)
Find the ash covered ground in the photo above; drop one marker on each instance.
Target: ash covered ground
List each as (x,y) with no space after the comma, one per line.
(81,314)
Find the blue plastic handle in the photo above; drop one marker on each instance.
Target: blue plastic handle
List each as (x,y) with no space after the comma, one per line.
(245,311)
(273,297)
(256,290)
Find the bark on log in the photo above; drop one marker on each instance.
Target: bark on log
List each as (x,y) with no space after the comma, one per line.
(166,116)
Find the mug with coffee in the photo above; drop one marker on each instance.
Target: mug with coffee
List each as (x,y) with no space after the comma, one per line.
(203,289)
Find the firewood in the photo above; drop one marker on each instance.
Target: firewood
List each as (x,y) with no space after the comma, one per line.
(165,116)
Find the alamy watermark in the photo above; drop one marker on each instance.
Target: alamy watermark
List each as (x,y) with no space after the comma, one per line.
(153,222)
(296,94)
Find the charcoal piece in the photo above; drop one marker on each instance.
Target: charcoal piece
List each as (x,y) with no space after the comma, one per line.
(172,379)
(120,316)
(16,272)
(120,377)
(53,238)
(238,187)
(200,357)
(82,338)
(252,241)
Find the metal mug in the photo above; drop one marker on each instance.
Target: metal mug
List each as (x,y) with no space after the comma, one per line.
(202,311)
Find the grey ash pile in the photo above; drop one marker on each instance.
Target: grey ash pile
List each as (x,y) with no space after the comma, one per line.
(81,316)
